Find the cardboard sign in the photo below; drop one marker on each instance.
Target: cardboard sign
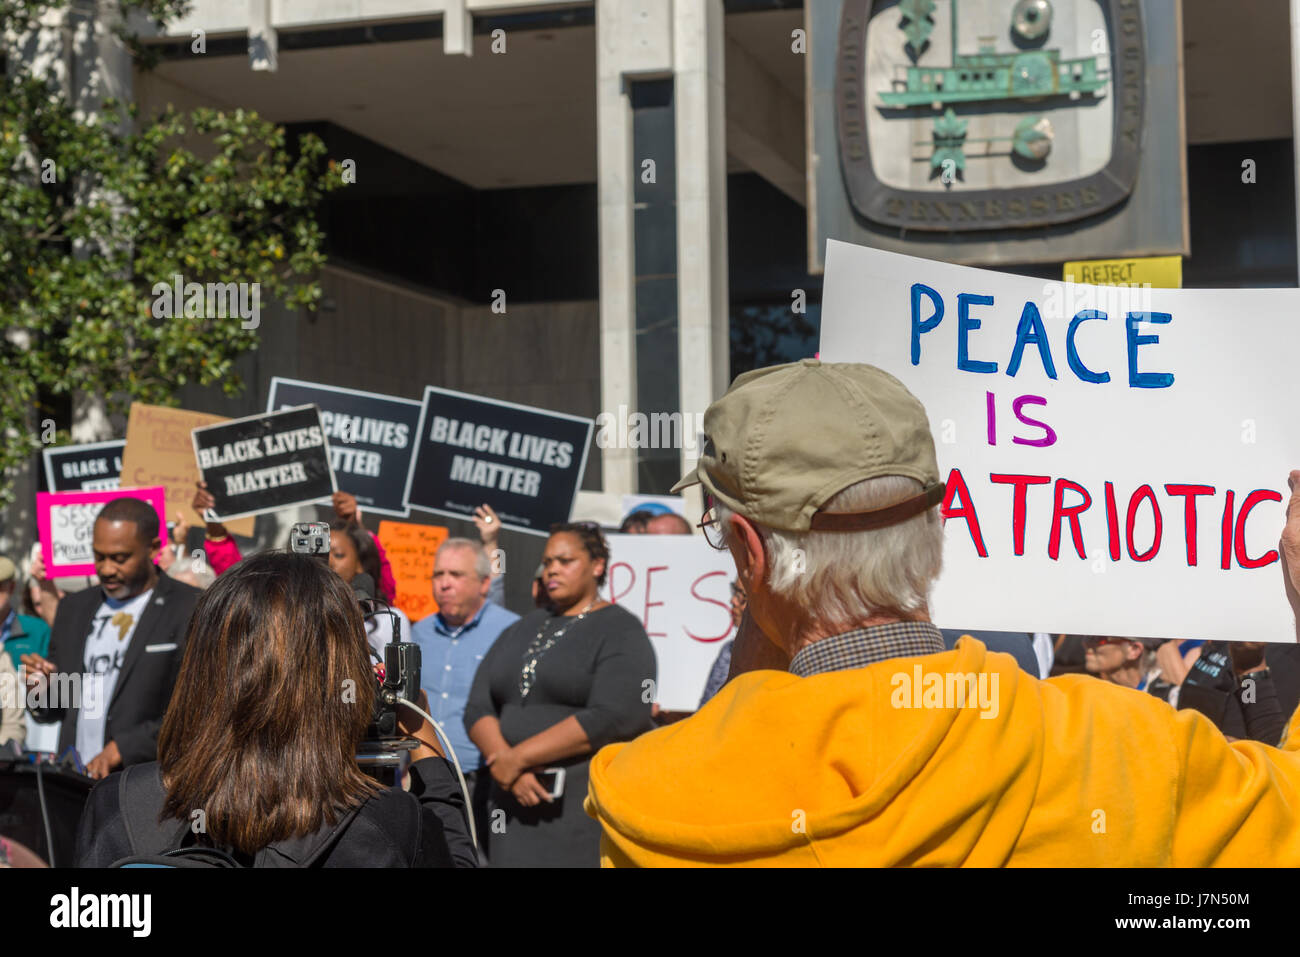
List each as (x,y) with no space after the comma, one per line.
(526,463)
(265,463)
(159,451)
(1116,459)
(680,589)
(411,549)
(371,439)
(92,467)
(67,520)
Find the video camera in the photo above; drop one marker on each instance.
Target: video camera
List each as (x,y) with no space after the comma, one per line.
(383,744)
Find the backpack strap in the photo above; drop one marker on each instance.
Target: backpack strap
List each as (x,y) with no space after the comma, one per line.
(328,844)
(139,800)
(319,848)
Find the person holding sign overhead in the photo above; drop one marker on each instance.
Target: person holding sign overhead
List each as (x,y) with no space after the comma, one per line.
(557,685)
(222,552)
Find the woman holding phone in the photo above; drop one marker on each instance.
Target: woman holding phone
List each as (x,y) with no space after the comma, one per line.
(557,686)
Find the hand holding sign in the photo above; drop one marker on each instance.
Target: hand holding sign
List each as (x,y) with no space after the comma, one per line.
(1290,548)
(203,503)
(345,507)
(488,525)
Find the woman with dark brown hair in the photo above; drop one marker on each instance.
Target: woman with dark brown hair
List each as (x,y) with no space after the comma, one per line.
(556,687)
(257,751)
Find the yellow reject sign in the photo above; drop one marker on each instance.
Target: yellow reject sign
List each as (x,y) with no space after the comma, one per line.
(1158,272)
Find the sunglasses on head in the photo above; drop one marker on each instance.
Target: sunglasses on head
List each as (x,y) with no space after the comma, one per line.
(1096,641)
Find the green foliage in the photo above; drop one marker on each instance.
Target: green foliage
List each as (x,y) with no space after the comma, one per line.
(94,216)
(210,196)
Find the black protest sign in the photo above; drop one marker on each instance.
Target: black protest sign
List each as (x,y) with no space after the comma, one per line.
(263,463)
(95,467)
(526,463)
(370,436)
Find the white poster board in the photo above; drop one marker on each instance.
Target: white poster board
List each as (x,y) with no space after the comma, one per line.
(1184,417)
(680,590)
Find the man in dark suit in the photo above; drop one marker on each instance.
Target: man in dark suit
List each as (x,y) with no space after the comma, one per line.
(124,640)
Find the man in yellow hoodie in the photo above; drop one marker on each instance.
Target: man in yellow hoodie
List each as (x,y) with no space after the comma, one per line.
(860,741)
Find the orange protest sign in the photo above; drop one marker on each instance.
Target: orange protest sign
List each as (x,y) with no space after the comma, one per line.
(159,451)
(411,549)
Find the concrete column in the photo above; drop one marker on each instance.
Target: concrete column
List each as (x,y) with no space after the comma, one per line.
(457,29)
(633,37)
(263,41)
(703,306)
(643,39)
(1295,110)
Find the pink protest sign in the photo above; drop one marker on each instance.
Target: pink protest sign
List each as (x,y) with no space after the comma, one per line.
(67,520)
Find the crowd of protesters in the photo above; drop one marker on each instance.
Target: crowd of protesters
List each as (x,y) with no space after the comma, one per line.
(551,714)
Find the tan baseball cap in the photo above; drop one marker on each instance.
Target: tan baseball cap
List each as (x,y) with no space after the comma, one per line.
(8,571)
(785,439)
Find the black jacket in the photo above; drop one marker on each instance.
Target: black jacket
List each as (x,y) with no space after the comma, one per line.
(425,827)
(149,669)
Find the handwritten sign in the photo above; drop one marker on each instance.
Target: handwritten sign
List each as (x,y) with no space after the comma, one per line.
(1115,458)
(680,589)
(411,549)
(159,451)
(67,520)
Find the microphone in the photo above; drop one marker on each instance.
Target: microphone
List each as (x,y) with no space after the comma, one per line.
(364,586)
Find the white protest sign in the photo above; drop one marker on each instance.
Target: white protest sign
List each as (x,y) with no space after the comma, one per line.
(66,521)
(1116,458)
(680,590)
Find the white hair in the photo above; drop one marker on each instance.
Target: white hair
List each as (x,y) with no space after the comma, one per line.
(841,578)
(199,570)
(482,564)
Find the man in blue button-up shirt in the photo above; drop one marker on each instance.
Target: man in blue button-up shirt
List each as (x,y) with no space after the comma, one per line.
(452,644)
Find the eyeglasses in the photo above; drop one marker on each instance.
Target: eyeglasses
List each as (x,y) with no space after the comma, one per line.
(710,525)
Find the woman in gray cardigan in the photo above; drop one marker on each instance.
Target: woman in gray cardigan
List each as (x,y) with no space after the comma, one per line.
(556,687)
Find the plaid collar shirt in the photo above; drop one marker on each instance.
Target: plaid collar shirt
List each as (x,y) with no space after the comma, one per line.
(866,646)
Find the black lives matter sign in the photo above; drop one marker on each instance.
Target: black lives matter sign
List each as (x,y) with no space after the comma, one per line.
(94,467)
(370,437)
(526,463)
(264,463)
